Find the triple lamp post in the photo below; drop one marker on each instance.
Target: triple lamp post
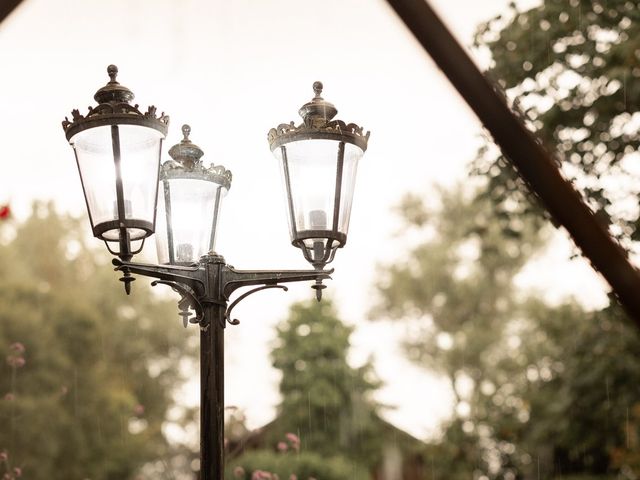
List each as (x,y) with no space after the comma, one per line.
(127,190)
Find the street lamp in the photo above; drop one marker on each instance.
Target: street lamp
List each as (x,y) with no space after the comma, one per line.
(318,159)
(189,201)
(118,154)
(117,149)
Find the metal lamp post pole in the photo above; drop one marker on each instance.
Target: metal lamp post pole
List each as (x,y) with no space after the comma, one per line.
(205,289)
(212,395)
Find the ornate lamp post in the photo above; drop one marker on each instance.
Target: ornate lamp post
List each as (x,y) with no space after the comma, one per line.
(118,153)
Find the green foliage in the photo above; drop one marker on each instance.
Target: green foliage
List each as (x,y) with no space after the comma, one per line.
(324,400)
(304,465)
(99,368)
(540,391)
(461,278)
(572,68)
(327,425)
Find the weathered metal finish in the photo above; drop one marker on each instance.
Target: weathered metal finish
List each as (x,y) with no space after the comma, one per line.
(114,109)
(186,163)
(534,163)
(212,395)
(230,308)
(317,124)
(206,288)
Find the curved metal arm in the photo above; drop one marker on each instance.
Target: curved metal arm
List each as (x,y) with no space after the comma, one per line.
(193,277)
(233,279)
(227,315)
(188,299)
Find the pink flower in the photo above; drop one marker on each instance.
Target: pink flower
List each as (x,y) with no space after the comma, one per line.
(261,475)
(238,472)
(9,397)
(4,456)
(293,476)
(294,440)
(282,447)
(17,348)
(15,362)
(138,410)
(17,471)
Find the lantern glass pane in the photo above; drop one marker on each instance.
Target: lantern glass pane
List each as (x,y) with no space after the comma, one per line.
(94,153)
(140,154)
(352,156)
(313,169)
(189,231)
(139,161)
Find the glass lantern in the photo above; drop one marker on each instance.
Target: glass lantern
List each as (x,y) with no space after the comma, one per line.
(117,150)
(319,159)
(189,200)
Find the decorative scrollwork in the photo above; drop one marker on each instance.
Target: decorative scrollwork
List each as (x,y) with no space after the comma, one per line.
(121,108)
(114,101)
(186,163)
(188,299)
(213,173)
(235,321)
(317,116)
(334,126)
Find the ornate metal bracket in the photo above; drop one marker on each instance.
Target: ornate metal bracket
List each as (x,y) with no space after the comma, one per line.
(227,315)
(188,299)
(211,282)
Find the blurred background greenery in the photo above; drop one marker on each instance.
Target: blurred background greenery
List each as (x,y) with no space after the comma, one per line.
(541,390)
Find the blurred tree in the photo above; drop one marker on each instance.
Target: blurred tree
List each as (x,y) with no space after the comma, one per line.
(572,69)
(327,425)
(325,401)
(539,391)
(98,369)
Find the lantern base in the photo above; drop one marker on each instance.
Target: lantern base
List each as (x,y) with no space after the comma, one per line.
(319,246)
(110,231)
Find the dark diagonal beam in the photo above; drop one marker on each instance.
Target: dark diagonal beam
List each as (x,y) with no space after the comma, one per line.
(6,7)
(533,162)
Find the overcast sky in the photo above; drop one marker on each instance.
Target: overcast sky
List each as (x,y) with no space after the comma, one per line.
(234,69)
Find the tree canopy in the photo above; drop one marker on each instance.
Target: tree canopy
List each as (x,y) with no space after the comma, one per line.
(89,373)
(542,391)
(328,425)
(572,68)
(539,389)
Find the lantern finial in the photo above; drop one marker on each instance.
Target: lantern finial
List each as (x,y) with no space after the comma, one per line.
(112,70)
(113,92)
(318,112)
(317,89)
(186,130)
(186,152)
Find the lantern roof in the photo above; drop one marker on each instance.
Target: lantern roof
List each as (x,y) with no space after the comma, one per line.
(114,108)
(318,123)
(186,162)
